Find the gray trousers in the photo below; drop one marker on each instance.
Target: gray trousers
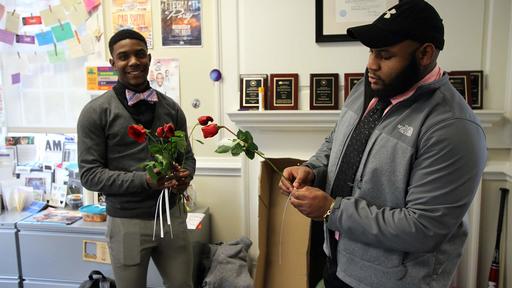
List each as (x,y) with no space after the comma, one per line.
(131,246)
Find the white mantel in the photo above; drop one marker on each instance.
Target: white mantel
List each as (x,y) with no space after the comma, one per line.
(277,120)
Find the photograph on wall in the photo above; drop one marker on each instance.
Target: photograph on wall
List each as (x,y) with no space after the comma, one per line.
(18,140)
(135,15)
(164,76)
(181,22)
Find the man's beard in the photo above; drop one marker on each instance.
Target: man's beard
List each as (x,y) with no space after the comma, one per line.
(402,82)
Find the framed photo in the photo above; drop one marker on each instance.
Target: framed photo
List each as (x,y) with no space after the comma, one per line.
(284,94)
(333,17)
(350,80)
(249,85)
(477,88)
(323,91)
(461,81)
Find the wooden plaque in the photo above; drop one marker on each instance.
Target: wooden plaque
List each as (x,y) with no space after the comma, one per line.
(249,84)
(461,81)
(284,91)
(323,91)
(350,80)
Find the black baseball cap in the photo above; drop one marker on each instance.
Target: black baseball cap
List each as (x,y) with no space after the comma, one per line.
(408,20)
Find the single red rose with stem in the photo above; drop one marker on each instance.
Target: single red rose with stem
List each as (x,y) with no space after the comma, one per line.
(244,143)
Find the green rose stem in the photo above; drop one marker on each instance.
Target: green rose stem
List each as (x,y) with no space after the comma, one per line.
(259,153)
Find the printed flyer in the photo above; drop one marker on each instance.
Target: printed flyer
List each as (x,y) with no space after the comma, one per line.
(181,22)
(164,76)
(133,14)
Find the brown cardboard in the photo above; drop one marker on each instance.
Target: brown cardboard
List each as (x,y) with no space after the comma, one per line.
(292,271)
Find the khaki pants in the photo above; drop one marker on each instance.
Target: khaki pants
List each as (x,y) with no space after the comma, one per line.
(131,245)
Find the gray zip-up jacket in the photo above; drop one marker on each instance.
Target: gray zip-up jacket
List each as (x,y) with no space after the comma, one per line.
(403,225)
(109,160)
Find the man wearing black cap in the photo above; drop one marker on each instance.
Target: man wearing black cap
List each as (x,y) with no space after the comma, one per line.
(109,162)
(397,174)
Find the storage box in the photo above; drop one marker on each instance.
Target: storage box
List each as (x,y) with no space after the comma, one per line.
(284,256)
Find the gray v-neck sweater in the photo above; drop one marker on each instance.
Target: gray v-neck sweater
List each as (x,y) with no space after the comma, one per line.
(109,160)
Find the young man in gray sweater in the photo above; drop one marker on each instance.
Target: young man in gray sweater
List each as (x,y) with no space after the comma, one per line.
(109,162)
(398,173)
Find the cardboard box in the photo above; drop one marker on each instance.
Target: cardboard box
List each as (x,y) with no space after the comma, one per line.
(284,259)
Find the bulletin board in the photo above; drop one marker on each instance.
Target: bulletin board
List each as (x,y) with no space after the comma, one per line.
(45,47)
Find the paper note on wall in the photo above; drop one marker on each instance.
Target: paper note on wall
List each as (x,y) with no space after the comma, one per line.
(74,50)
(78,15)
(44,38)
(12,22)
(91,4)
(88,44)
(56,55)
(2,10)
(15,78)
(54,15)
(69,4)
(25,39)
(7,37)
(62,32)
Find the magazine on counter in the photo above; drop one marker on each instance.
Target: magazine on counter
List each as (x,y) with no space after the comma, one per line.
(58,216)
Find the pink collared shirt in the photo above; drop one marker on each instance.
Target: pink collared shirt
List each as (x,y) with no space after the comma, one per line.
(434,75)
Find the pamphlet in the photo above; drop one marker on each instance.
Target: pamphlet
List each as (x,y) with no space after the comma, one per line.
(58,216)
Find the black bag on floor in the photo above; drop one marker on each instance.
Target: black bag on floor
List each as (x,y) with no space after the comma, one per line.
(98,280)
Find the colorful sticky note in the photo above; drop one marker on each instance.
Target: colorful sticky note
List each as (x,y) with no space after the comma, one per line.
(53,16)
(78,15)
(31,20)
(44,38)
(25,39)
(56,55)
(12,22)
(74,49)
(62,32)
(88,44)
(15,78)
(91,4)
(2,10)
(7,37)
(68,4)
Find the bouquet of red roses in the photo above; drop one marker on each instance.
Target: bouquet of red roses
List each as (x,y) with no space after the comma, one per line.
(164,146)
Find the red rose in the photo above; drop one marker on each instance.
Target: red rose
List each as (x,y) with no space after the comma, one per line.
(210,130)
(160,133)
(204,120)
(137,133)
(169,130)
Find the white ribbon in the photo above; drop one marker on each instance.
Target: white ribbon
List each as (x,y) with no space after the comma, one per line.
(158,213)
